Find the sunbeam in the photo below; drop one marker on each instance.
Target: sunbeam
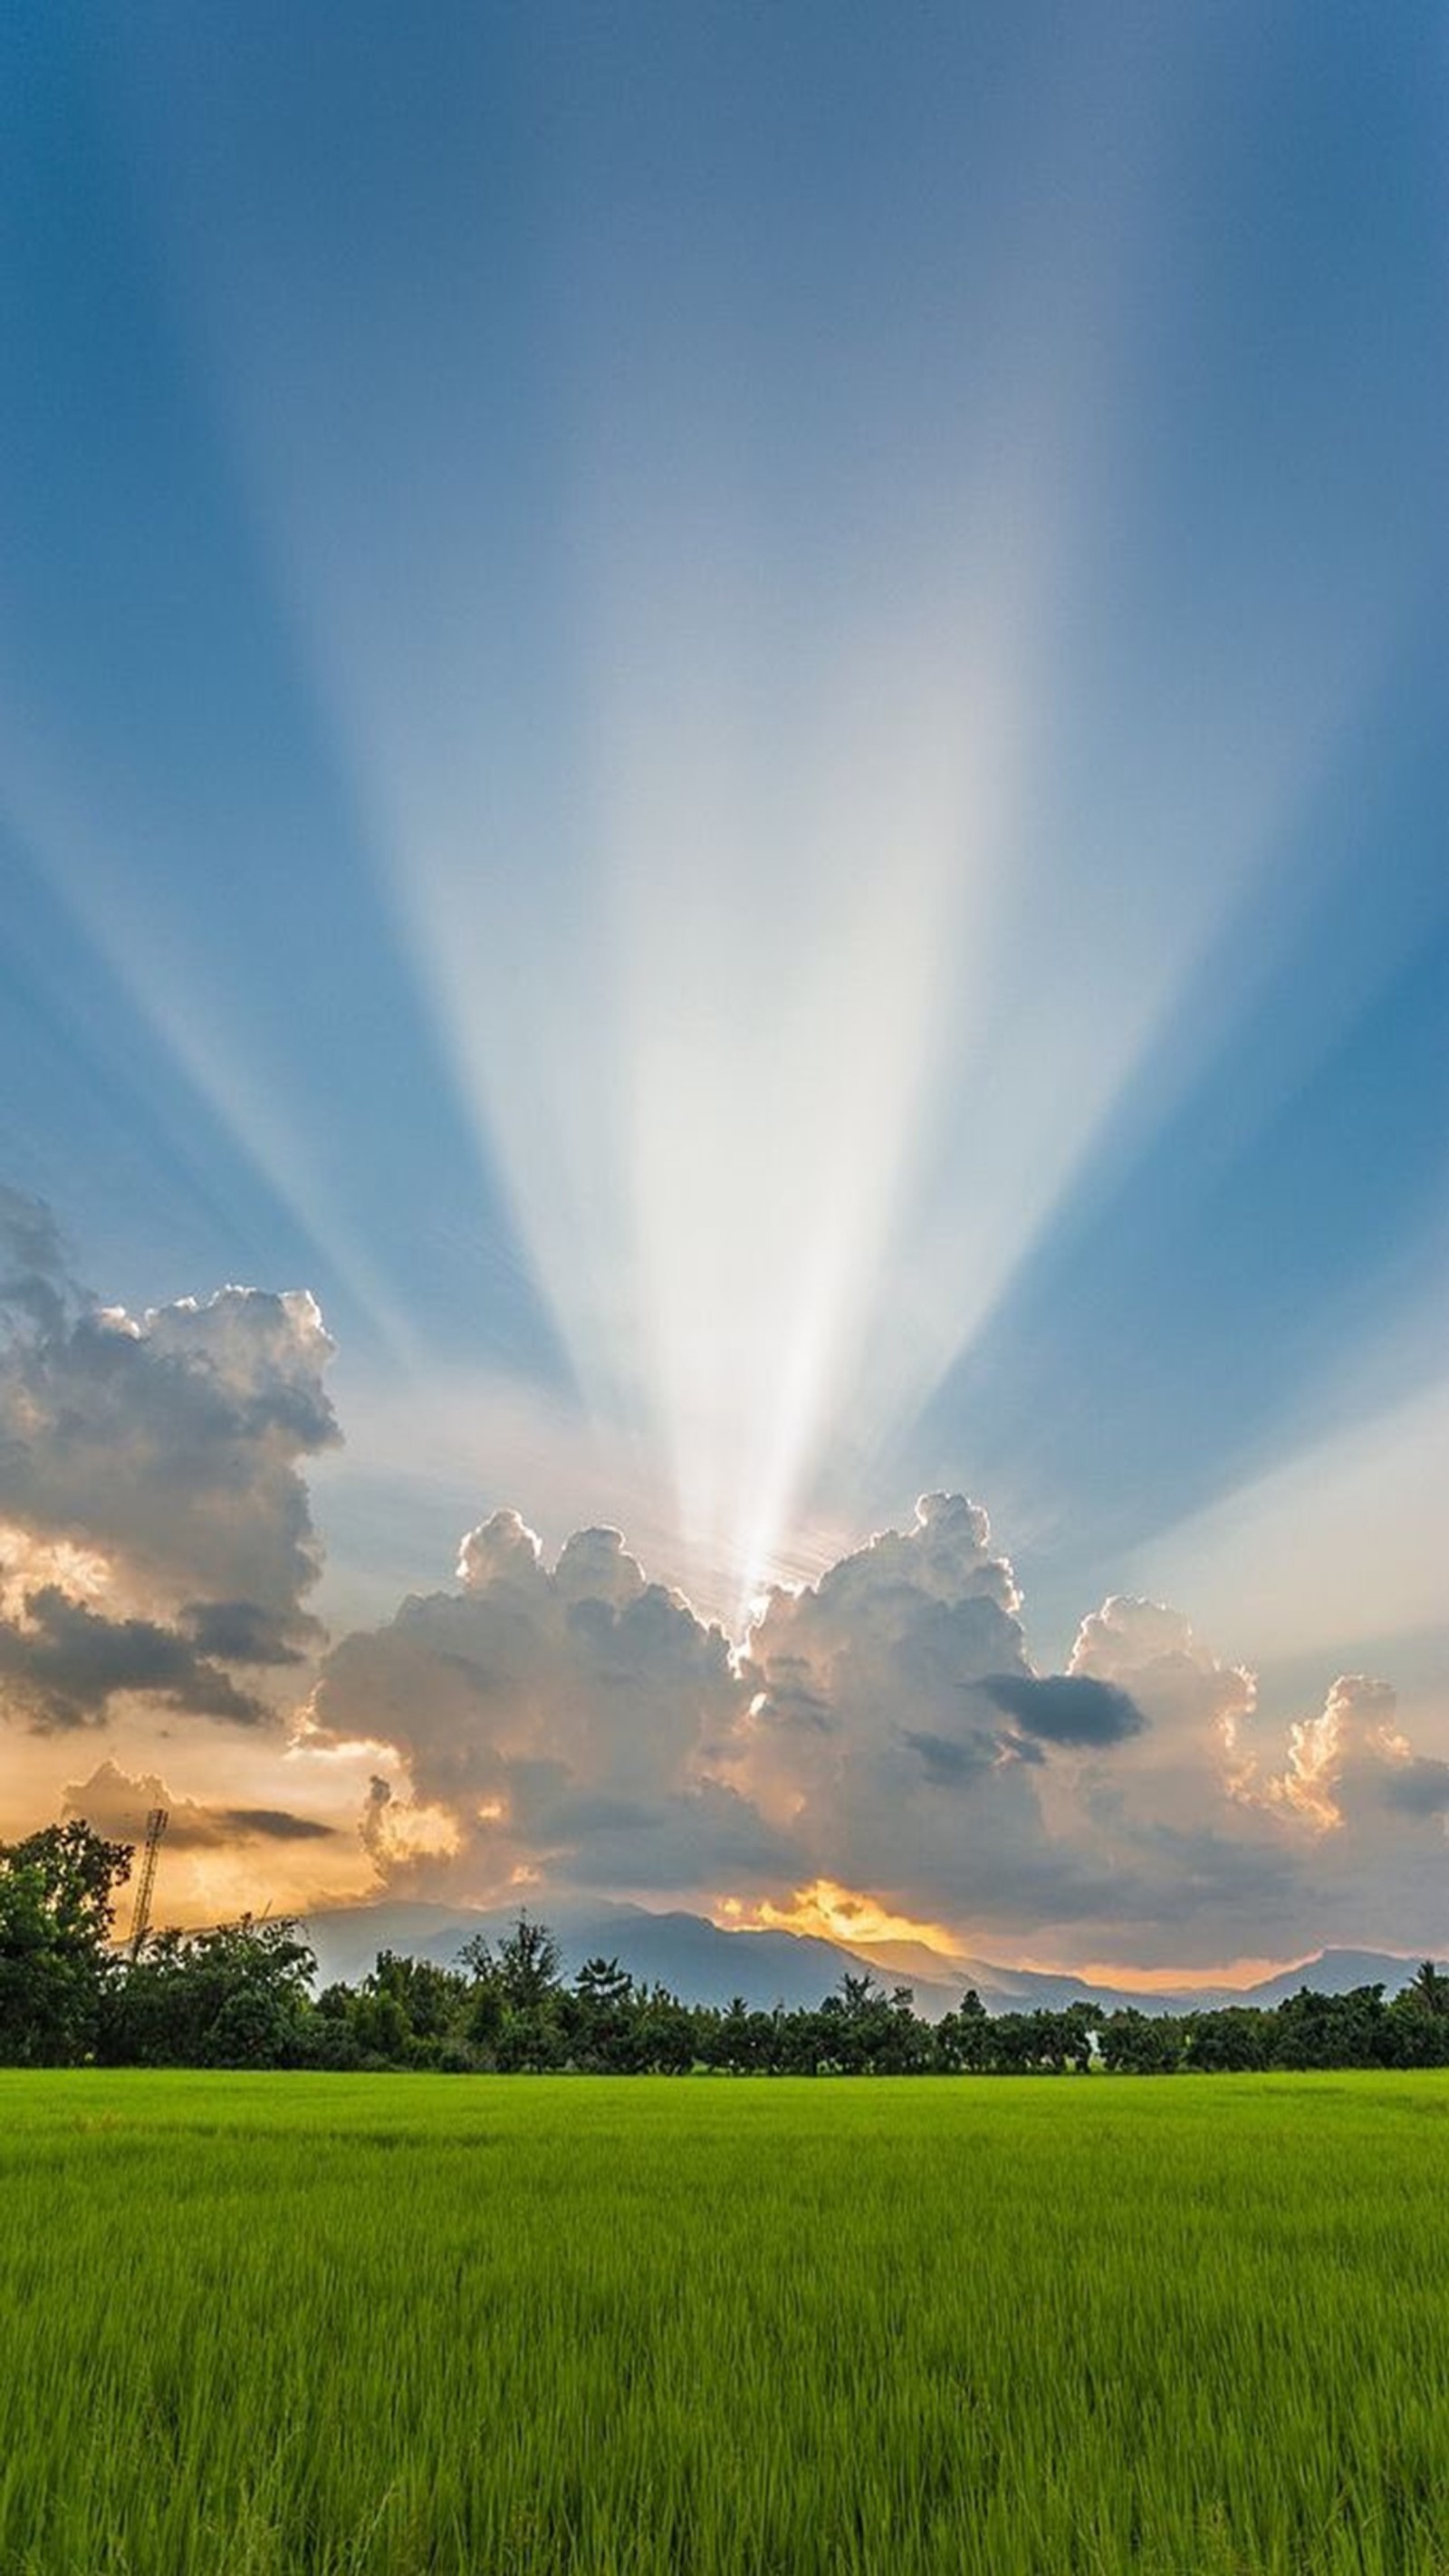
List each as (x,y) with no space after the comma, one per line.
(714,975)
(722,738)
(92,881)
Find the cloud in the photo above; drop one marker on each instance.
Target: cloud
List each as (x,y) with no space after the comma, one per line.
(242,1632)
(1419,1786)
(882,1729)
(566,1715)
(913,1619)
(35,1284)
(1352,1738)
(274,1824)
(65,1664)
(117,1803)
(1175,1682)
(949,1761)
(1065,1708)
(154,1524)
(1135,1803)
(865,1737)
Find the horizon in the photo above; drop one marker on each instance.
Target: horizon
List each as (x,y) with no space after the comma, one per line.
(724,1106)
(892,1957)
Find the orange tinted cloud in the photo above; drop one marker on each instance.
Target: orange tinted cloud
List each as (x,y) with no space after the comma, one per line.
(836,1913)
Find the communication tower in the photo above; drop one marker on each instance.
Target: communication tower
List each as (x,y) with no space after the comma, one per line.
(156,1824)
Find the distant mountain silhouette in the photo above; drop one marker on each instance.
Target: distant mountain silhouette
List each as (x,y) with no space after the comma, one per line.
(703,1964)
(1334,1972)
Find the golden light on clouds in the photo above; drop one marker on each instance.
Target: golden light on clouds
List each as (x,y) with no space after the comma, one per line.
(29,1563)
(835,1913)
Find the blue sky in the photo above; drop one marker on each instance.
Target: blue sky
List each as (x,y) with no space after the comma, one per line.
(734,721)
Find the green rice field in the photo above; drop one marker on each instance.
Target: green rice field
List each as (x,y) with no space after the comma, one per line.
(262,2324)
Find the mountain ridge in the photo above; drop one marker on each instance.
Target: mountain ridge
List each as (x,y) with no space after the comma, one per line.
(704,1963)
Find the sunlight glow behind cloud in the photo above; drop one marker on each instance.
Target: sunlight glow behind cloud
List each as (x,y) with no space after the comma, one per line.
(836,1913)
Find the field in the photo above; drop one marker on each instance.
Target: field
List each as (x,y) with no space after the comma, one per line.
(261,2325)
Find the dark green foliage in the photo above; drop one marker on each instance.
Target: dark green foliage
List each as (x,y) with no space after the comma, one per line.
(234,1996)
(57,1904)
(1139,2043)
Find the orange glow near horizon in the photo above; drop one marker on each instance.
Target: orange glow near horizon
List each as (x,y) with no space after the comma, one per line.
(835,1913)
(857,1920)
(1157,1981)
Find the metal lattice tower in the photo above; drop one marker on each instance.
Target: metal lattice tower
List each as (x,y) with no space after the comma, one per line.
(156,1824)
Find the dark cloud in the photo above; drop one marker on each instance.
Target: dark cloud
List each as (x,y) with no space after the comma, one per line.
(242,1632)
(67,1663)
(1065,1708)
(1418,1787)
(950,1761)
(273,1824)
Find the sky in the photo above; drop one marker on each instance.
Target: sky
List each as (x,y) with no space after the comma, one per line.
(724,774)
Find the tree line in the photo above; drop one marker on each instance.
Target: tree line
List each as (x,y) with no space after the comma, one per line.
(241,1995)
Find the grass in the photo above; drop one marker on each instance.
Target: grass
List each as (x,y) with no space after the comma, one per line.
(372,2326)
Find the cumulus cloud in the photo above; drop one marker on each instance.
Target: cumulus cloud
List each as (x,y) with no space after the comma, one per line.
(154,1523)
(1351,1748)
(1174,1680)
(872,1731)
(566,1716)
(116,1803)
(1323,1827)
(882,1730)
(1135,1804)
(912,1620)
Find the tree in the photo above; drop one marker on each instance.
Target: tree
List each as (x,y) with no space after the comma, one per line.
(1332,2030)
(57,1904)
(857,1995)
(963,2038)
(1430,1989)
(604,1985)
(1139,2043)
(430,1999)
(524,1967)
(1234,2041)
(237,1995)
(601,2016)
